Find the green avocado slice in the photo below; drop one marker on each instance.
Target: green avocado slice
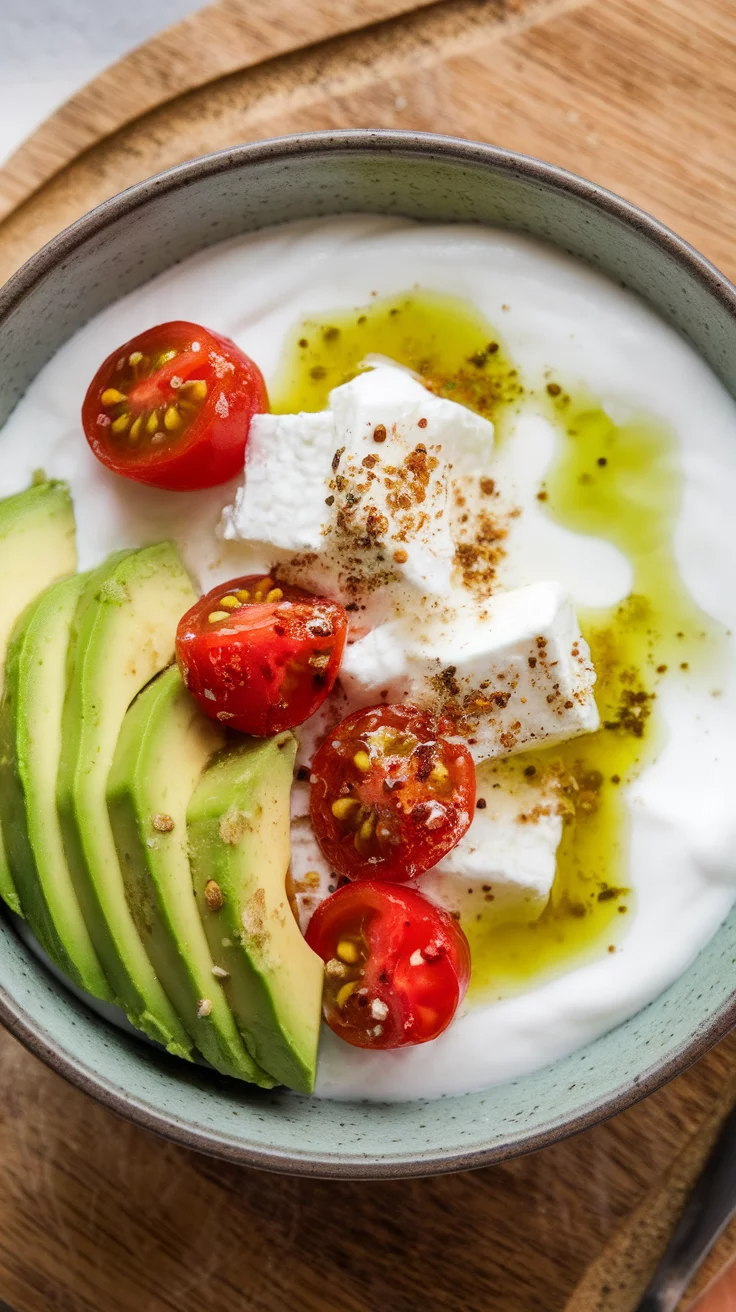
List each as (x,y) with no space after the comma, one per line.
(122,635)
(239,846)
(164,745)
(37,546)
(30,748)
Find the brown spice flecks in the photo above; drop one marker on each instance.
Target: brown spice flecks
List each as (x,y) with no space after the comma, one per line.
(632,712)
(445,684)
(478,560)
(483,385)
(487,487)
(537,813)
(364,538)
(608,894)
(213,895)
(234,825)
(163,824)
(253,919)
(493,705)
(379,433)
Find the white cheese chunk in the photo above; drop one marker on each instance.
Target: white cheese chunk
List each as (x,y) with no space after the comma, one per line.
(394,466)
(282,501)
(513,673)
(504,866)
(355,501)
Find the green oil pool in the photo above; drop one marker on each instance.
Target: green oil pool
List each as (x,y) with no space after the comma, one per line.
(444,339)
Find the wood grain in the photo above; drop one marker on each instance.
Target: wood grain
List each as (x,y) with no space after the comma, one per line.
(369,78)
(97,1215)
(226,37)
(607,89)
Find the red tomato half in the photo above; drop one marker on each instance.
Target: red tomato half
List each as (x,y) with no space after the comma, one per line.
(389,797)
(260,656)
(172,407)
(396,966)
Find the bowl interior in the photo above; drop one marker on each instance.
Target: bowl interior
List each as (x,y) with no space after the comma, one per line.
(130,239)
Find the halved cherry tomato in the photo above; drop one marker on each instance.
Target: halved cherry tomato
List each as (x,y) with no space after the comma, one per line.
(389,797)
(396,966)
(260,656)
(172,407)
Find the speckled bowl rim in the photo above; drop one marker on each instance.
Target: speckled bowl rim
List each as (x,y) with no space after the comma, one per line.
(377,142)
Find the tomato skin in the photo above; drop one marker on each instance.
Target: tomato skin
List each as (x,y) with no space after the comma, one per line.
(409,965)
(389,797)
(208,446)
(264,666)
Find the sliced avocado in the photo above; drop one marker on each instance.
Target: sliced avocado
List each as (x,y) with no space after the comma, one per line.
(238,822)
(30,748)
(37,546)
(164,745)
(122,635)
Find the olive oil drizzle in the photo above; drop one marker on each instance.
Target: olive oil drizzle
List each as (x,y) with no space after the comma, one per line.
(619,482)
(443,338)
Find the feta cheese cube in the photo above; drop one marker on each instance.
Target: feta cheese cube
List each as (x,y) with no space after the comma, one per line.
(392,485)
(511,674)
(359,494)
(282,501)
(504,866)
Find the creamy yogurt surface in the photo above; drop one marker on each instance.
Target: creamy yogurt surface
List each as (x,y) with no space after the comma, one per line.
(552,314)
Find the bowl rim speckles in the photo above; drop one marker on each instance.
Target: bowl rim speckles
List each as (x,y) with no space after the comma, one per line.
(115,248)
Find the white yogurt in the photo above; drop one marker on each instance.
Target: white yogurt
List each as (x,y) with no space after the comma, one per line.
(552,313)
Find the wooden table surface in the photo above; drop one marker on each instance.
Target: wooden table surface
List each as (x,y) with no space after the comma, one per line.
(98,1216)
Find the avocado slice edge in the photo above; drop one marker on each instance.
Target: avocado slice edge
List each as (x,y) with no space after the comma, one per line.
(164,745)
(30,748)
(239,840)
(37,546)
(122,635)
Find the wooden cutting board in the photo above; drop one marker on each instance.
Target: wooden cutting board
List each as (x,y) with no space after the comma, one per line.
(98,1216)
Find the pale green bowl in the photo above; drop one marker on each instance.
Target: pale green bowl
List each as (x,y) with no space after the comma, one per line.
(112,250)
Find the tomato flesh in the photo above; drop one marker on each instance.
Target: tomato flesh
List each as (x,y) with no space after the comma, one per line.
(173,406)
(260,656)
(396,966)
(389,797)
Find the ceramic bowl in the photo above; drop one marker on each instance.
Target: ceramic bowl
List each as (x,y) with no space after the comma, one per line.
(112,250)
